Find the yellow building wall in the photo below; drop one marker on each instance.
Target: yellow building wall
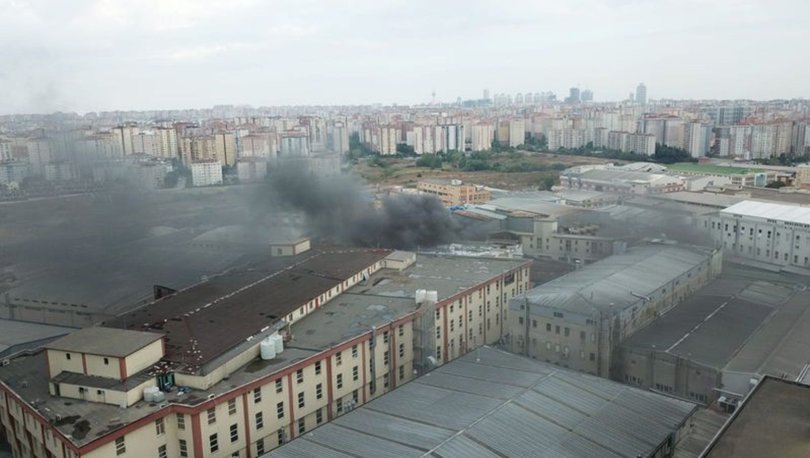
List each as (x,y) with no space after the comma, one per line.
(96,366)
(58,362)
(144,357)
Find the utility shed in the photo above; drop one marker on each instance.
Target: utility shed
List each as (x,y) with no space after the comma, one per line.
(490,402)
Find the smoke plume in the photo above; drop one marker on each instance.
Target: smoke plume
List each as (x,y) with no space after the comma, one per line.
(339,208)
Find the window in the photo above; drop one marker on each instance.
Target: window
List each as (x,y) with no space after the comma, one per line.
(339,405)
(319,416)
(280,436)
(354,351)
(567,332)
(385,337)
(401,330)
(438,332)
(438,352)
(386,380)
(162,451)
(534,323)
(302,426)
(558,315)
(280,410)
(260,447)
(355,396)
(213,443)
(319,391)
(401,372)
(299,376)
(212,415)
(67,355)
(557,329)
(234,432)
(548,327)
(592,357)
(402,350)
(160,427)
(183,448)
(339,381)
(355,373)
(107,362)
(259,420)
(386,358)
(317,368)
(279,387)
(181,422)
(120,446)
(301,400)
(231,406)
(459,322)
(520,320)
(452,325)
(339,358)
(257,395)
(438,314)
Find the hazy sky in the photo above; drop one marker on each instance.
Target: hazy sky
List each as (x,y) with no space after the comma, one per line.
(87,55)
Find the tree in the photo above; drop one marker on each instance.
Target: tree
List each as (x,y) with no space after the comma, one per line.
(547,183)
(776,184)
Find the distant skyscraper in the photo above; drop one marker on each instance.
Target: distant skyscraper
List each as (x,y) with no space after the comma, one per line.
(586,96)
(573,95)
(486,94)
(641,94)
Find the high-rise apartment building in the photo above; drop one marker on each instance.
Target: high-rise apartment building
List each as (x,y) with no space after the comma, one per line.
(641,94)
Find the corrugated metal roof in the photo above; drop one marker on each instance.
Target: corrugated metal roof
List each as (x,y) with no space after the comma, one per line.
(462,446)
(559,413)
(614,283)
(779,212)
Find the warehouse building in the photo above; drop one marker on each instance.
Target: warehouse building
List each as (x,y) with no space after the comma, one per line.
(493,403)
(193,374)
(543,228)
(730,332)
(763,232)
(579,319)
(619,179)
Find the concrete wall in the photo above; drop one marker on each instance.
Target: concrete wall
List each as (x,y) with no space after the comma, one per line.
(667,373)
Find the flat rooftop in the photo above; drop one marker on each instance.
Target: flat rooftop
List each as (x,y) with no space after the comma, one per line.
(104,341)
(744,321)
(390,294)
(18,335)
(213,317)
(84,421)
(773,421)
(493,403)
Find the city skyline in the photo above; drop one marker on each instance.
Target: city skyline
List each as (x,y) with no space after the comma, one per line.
(101,56)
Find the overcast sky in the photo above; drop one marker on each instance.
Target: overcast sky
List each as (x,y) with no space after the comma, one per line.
(88,55)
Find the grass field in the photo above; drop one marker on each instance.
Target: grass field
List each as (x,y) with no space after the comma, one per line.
(404,172)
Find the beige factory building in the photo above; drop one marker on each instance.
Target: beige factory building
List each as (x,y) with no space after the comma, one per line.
(255,357)
(454,192)
(578,320)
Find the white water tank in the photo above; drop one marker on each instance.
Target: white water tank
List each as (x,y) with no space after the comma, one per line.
(267,349)
(278,342)
(432,296)
(150,393)
(420,295)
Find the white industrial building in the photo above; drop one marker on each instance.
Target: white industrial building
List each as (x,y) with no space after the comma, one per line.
(762,231)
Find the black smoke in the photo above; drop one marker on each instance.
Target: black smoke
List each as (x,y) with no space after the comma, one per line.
(340,208)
